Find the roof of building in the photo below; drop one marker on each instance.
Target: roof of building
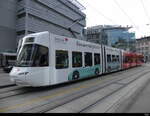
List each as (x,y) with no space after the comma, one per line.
(143,38)
(77,4)
(108,27)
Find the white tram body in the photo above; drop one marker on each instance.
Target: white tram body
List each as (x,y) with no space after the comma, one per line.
(112,59)
(46,59)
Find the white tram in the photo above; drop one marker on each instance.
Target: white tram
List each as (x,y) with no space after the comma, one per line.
(45,59)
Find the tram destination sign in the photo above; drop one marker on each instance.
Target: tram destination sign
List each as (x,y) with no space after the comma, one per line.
(87,45)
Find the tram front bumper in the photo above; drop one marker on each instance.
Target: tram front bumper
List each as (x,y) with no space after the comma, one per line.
(19,82)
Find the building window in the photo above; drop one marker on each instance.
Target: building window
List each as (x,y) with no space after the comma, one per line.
(21,15)
(21,33)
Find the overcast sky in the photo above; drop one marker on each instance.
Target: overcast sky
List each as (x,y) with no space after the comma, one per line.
(134,13)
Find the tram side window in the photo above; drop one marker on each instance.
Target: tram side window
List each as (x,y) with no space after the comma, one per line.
(130,60)
(76,59)
(109,58)
(62,60)
(97,59)
(113,58)
(118,58)
(126,60)
(88,59)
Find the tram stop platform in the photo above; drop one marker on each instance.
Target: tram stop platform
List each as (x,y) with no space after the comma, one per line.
(4,79)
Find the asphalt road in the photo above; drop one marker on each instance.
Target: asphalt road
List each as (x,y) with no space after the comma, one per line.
(4,79)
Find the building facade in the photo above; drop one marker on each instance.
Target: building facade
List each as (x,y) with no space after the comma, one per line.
(114,36)
(97,34)
(143,47)
(62,17)
(8,35)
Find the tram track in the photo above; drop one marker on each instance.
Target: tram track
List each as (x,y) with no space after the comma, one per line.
(13,90)
(7,86)
(52,105)
(26,91)
(97,101)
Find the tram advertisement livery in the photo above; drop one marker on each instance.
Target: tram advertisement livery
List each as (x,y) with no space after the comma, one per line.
(46,59)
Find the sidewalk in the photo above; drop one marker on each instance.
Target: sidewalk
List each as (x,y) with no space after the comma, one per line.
(1,70)
(139,102)
(142,102)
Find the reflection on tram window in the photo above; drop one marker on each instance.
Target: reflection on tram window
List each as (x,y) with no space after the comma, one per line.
(109,58)
(62,60)
(88,59)
(76,59)
(97,59)
(33,55)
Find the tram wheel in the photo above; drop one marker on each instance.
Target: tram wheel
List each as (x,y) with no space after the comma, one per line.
(97,72)
(76,75)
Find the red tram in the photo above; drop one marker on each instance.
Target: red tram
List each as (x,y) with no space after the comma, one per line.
(132,60)
(140,59)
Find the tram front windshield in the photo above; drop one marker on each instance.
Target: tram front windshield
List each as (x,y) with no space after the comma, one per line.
(33,55)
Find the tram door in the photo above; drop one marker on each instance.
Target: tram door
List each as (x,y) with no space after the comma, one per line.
(104,58)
